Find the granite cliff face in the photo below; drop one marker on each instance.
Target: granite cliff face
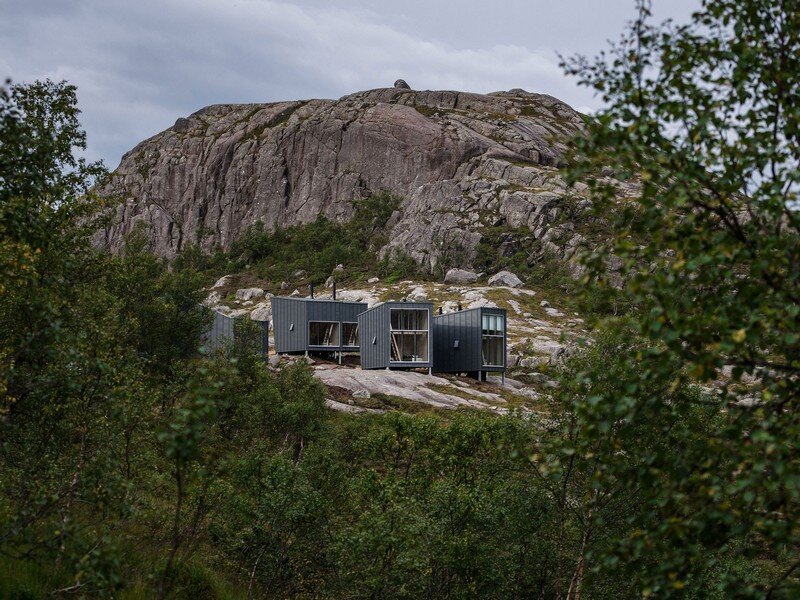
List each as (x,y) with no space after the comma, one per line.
(462,163)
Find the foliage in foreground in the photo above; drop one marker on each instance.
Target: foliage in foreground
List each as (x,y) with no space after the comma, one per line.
(131,466)
(705,119)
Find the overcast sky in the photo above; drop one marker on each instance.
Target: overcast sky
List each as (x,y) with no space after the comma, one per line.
(140,64)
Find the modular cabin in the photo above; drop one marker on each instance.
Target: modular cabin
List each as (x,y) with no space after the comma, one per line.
(225,330)
(470,341)
(397,335)
(315,325)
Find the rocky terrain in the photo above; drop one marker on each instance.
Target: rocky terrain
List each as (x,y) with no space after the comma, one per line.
(541,333)
(471,170)
(463,164)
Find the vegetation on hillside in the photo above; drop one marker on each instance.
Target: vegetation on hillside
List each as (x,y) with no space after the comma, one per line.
(132,466)
(705,116)
(315,248)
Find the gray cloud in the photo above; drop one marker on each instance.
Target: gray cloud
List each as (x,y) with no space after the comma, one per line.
(140,65)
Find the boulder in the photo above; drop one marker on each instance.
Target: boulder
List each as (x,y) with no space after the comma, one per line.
(357,296)
(329,282)
(362,394)
(449,306)
(418,294)
(246,294)
(274,360)
(299,274)
(460,276)
(295,293)
(482,303)
(400,84)
(212,299)
(533,361)
(553,312)
(182,125)
(373,280)
(506,279)
(262,312)
(221,281)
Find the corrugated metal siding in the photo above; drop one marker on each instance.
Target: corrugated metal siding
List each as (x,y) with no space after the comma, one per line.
(223,330)
(466,327)
(300,311)
(285,313)
(463,326)
(375,324)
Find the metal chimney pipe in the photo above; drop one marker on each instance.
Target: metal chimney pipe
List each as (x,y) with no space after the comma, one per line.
(334,290)
(311,286)
(440,310)
(459,306)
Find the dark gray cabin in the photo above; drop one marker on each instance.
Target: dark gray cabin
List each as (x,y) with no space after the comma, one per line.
(223,330)
(315,325)
(397,335)
(470,341)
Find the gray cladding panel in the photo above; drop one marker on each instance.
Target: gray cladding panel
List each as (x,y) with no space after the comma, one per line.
(466,327)
(375,324)
(222,331)
(299,312)
(289,324)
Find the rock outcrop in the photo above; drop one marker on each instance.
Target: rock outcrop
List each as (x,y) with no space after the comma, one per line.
(460,276)
(505,278)
(462,162)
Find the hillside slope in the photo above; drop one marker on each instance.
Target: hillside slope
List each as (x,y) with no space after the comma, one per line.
(465,164)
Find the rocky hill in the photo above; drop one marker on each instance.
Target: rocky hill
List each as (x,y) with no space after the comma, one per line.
(464,165)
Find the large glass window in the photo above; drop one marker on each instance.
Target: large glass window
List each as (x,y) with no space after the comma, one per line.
(409,319)
(350,335)
(323,333)
(409,331)
(492,347)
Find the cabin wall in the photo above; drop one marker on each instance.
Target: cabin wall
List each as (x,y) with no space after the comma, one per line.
(285,313)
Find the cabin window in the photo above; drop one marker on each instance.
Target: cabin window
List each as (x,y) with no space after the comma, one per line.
(409,331)
(350,335)
(323,333)
(492,337)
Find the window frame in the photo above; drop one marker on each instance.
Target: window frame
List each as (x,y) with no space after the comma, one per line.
(494,334)
(414,332)
(342,336)
(338,343)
